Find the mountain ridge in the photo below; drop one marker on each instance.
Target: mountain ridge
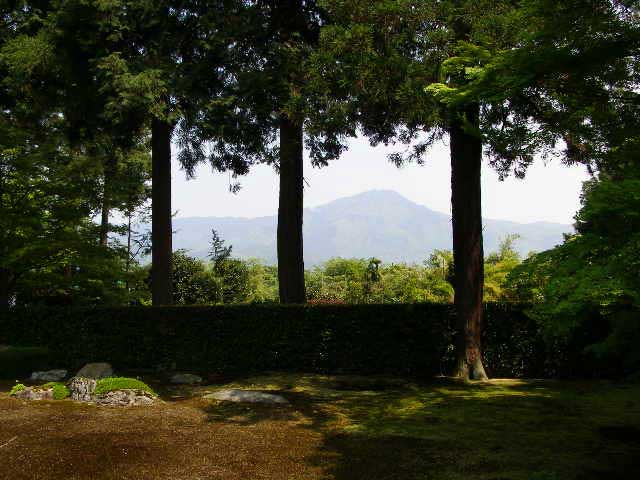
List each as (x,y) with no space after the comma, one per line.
(380,223)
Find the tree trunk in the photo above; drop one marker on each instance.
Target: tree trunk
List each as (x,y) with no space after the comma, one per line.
(468,256)
(5,293)
(128,264)
(161,282)
(104,222)
(290,250)
(109,174)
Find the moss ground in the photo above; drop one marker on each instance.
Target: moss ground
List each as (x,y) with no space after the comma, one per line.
(338,428)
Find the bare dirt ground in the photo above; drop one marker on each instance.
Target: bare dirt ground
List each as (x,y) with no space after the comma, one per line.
(340,428)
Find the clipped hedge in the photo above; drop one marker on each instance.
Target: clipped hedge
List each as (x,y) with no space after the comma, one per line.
(407,339)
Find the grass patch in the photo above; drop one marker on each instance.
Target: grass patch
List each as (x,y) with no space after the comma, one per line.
(109,384)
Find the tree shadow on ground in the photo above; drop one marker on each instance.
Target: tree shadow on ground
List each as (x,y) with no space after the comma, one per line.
(247,413)
(374,429)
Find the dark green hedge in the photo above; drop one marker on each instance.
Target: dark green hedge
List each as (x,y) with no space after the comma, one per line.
(407,339)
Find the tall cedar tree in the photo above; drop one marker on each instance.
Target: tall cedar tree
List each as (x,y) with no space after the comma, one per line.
(174,63)
(263,115)
(518,79)
(379,56)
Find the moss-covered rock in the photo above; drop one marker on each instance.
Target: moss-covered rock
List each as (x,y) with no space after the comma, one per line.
(110,384)
(60,390)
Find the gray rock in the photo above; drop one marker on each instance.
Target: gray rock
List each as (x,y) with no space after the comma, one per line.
(82,388)
(125,398)
(95,370)
(31,393)
(249,396)
(185,379)
(49,376)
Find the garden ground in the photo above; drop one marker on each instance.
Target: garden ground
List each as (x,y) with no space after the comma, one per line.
(342,428)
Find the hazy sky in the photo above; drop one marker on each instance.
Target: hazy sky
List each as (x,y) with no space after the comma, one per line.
(549,192)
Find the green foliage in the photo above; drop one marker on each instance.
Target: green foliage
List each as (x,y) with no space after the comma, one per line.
(567,77)
(360,281)
(497,267)
(232,276)
(62,159)
(218,253)
(18,387)
(193,283)
(593,273)
(262,283)
(227,281)
(60,390)
(109,384)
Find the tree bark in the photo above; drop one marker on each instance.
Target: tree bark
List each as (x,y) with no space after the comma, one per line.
(104,222)
(290,248)
(109,174)
(468,255)
(161,281)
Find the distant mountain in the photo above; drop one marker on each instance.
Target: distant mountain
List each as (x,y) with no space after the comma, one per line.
(378,223)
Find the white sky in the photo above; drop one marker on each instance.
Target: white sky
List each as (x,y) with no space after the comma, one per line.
(548,192)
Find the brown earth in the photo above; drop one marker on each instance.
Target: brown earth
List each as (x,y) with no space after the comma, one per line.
(342,428)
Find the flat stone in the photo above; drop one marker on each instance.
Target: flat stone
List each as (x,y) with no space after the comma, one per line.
(248,396)
(185,379)
(95,370)
(49,375)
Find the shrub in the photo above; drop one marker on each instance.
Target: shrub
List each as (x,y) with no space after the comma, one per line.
(109,384)
(18,387)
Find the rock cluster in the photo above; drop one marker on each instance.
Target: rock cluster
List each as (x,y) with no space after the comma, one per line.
(31,393)
(82,387)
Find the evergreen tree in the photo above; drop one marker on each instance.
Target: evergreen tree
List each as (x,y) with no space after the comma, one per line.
(514,78)
(379,57)
(263,114)
(218,253)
